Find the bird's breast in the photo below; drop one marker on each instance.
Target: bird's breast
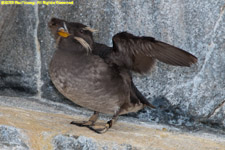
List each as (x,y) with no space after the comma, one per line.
(86,81)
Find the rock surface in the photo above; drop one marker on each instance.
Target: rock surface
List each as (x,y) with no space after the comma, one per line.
(184,96)
(18,52)
(10,138)
(34,125)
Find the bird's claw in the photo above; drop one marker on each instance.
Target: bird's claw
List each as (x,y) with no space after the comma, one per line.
(82,123)
(99,128)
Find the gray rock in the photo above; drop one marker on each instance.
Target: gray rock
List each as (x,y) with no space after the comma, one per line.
(67,142)
(185,95)
(11,138)
(18,51)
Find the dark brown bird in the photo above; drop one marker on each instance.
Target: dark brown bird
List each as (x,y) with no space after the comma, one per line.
(98,77)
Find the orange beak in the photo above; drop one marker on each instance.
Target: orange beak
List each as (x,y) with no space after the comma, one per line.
(63,33)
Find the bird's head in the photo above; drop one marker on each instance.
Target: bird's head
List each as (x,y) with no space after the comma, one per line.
(80,33)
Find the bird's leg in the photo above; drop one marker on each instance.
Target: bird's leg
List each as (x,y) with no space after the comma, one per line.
(90,122)
(103,128)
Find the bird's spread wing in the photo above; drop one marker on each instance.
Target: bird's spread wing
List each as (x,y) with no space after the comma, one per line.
(139,53)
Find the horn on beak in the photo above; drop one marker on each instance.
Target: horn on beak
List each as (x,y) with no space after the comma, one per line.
(63,31)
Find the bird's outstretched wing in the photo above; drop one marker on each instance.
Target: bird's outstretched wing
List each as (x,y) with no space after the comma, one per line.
(139,53)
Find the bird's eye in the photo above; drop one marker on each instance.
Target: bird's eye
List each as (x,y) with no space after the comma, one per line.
(81,31)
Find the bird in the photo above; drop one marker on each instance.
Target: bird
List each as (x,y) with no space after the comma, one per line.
(98,77)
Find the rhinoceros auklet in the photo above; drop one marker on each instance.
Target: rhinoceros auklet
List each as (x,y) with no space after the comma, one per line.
(98,77)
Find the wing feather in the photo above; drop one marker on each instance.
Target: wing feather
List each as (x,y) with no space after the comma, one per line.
(142,51)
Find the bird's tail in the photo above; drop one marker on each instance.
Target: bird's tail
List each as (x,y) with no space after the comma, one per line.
(140,96)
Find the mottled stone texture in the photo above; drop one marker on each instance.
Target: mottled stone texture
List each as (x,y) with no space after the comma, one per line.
(62,142)
(18,68)
(11,138)
(193,94)
(68,142)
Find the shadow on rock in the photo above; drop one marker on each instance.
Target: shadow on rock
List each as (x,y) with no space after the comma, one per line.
(168,114)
